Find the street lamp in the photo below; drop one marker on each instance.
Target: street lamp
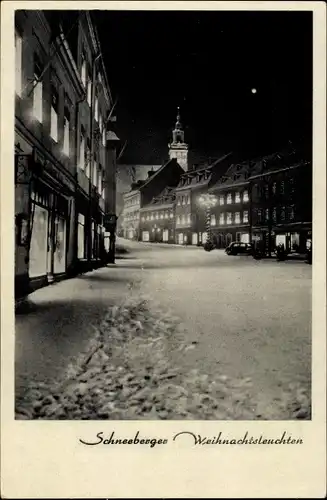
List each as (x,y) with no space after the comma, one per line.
(208,201)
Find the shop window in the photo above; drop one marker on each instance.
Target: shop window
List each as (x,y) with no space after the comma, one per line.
(245,196)
(229,218)
(18,62)
(237,197)
(229,199)
(221,200)
(245,216)
(66,146)
(38,90)
(54,115)
(237,217)
(222,219)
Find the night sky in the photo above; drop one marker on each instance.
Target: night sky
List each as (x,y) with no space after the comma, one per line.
(207,63)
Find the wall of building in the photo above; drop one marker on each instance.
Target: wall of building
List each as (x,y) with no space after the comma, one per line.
(49,114)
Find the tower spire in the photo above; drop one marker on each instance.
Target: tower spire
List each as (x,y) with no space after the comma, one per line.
(178,125)
(178,148)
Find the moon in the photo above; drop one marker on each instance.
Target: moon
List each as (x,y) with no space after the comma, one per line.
(254,91)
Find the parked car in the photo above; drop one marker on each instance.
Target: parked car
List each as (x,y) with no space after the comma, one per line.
(237,247)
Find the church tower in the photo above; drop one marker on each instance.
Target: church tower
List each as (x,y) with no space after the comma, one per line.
(178,148)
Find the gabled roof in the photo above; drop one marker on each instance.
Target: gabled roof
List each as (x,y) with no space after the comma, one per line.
(200,176)
(150,179)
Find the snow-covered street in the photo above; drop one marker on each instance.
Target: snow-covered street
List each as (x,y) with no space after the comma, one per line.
(169,332)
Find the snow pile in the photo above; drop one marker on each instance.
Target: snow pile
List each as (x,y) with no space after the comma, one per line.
(127,373)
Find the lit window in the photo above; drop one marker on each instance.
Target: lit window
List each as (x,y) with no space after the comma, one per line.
(161,215)
(274,214)
(89,91)
(83,71)
(183,219)
(229,218)
(82,150)
(178,201)
(81,237)
(66,133)
(245,196)
(54,116)
(222,219)
(178,220)
(37,90)
(96,109)
(104,135)
(267,214)
(143,219)
(282,213)
(100,180)
(157,216)
(237,217)
(292,214)
(166,215)
(237,197)
(189,218)
(147,217)
(213,220)
(221,200)
(100,123)
(183,200)
(18,62)
(171,215)
(151,217)
(95,172)
(87,161)
(229,199)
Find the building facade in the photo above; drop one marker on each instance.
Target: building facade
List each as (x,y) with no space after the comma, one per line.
(191,216)
(157,218)
(230,218)
(281,194)
(59,194)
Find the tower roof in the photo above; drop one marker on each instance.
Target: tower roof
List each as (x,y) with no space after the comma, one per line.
(178,125)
